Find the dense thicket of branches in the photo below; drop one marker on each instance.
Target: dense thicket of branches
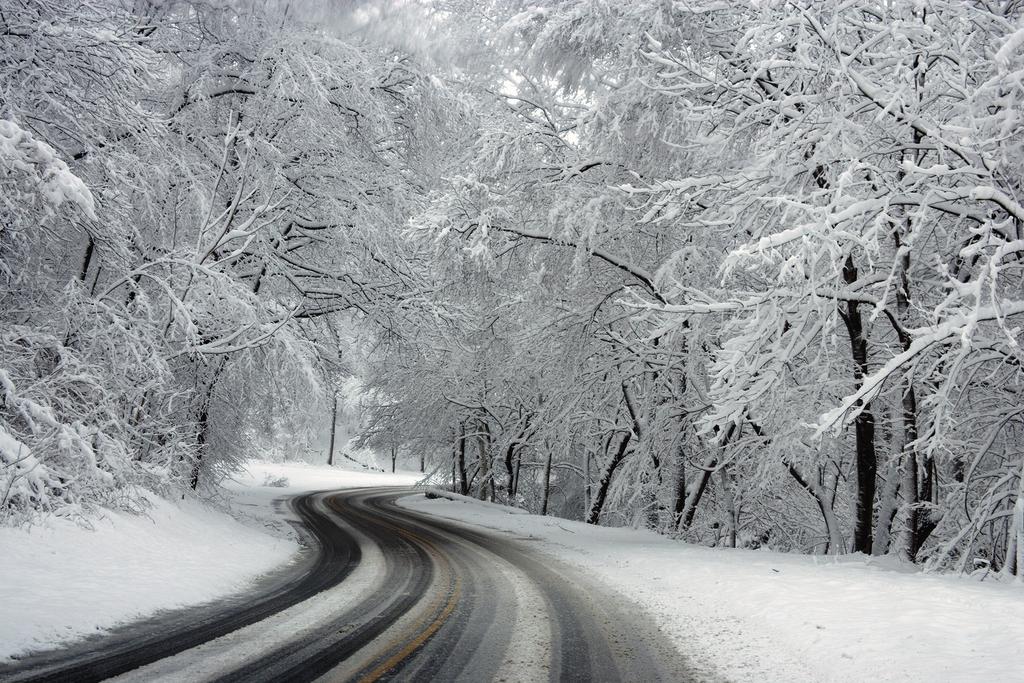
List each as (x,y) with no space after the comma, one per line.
(747,273)
(193,193)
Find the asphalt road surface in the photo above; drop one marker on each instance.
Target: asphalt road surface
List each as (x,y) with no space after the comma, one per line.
(387,593)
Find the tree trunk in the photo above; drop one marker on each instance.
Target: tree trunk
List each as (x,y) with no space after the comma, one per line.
(679,489)
(606,479)
(586,480)
(486,490)
(864,424)
(515,478)
(1015,538)
(334,425)
(690,509)
(915,486)
(510,472)
(86,259)
(921,524)
(394,457)
(461,459)
(95,280)
(835,544)
(732,513)
(547,484)
(512,459)
(888,506)
(203,422)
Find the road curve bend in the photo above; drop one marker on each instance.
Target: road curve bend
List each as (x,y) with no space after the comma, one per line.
(391,594)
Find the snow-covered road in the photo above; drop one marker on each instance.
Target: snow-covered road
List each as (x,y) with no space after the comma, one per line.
(757,615)
(64,580)
(438,588)
(402,594)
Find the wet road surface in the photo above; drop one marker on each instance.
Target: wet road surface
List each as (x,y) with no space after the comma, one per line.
(387,593)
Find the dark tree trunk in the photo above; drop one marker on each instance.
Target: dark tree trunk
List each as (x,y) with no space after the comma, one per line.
(693,500)
(864,424)
(461,460)
(87,259)
(690,509)
(95,280)
(586,480)
(515,478)
(685,423)
(731,509)
(922,525)
(334,424)
(924,521)
(606,479)
(512,458)
(917,483)
(203,422)
(510,471)
(483,441)
(547,484)
(679,493)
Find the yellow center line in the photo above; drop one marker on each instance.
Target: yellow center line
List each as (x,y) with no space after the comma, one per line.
(438,621)
(418,641)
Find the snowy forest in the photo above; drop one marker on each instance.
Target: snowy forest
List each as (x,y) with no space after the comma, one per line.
(749,273)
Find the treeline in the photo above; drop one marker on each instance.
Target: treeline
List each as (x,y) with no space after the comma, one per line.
(194,194)
(746,273)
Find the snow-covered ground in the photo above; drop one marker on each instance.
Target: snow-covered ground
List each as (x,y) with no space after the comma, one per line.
(765,616)
(60,581)
(302,477)
(745,615)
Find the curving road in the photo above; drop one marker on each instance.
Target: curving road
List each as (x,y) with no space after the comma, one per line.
(390,594)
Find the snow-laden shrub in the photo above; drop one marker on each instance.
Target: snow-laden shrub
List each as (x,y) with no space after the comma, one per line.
(73,433)
(54,451)
(274,481)
(78,378)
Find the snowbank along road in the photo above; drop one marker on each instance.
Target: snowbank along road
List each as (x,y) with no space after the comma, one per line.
(390,594)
